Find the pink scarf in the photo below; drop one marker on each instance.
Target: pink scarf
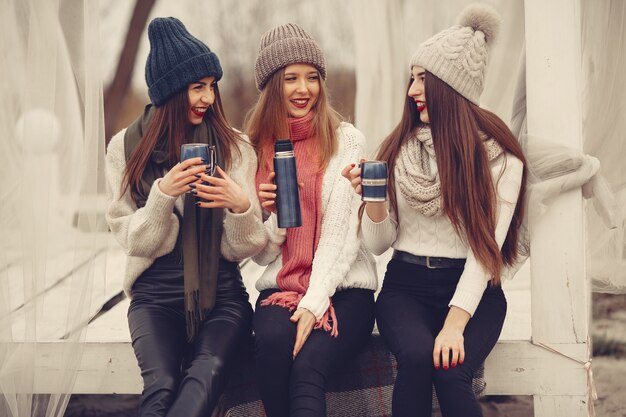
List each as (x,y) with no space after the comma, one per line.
(299,248)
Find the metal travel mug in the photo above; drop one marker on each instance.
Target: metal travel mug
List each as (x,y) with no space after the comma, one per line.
(202,150)
(287,191)
(374,181)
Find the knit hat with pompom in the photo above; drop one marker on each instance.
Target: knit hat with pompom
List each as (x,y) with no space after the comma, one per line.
(458,55)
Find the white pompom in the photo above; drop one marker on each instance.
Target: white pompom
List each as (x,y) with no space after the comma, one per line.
(481,17)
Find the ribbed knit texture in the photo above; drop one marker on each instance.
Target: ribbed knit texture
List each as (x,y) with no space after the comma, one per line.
(176,59)
(285,45)
(458,55)
(301,243)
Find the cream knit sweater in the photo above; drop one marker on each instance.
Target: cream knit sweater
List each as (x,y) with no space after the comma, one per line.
(151,231)
(341,260)
(434,236)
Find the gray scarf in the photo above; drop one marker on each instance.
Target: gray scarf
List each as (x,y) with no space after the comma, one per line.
(418,183)
(200,231)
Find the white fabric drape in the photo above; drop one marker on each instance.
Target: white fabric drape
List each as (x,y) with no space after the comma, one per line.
(51,154)
(604,130)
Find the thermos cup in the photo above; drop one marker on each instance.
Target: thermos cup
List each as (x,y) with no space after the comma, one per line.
(374,181)
(202,150)
(287,191)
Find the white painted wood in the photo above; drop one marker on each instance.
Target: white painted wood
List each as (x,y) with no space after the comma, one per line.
(560,297)
(559,287)
(64,275)
(513,368)
(561,406)
(521,368)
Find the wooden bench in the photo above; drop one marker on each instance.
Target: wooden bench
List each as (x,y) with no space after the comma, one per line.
(108,364)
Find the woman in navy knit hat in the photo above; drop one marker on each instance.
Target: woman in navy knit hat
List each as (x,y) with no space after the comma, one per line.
(184,230)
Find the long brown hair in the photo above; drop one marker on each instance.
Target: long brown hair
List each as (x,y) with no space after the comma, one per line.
(267,120)
(171,120)
(467,189)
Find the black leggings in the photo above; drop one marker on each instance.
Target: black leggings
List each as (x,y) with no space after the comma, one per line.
(410,312)
(180,378)
(296,388)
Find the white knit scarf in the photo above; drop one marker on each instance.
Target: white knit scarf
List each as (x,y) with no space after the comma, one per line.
(419,186)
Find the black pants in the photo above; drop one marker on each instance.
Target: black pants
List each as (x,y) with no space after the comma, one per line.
(410,312)
(296,388)
(180,378)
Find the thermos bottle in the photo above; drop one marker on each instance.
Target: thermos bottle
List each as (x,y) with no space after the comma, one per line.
(287,191)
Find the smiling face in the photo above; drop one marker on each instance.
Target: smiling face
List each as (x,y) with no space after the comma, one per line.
(201,95)
(417,92)
(301,87)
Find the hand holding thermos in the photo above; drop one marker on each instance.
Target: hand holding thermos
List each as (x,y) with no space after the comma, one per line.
(369,180)
(281,195)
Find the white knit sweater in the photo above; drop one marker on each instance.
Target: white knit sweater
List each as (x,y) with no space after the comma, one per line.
(341,260)
(434,236)
(151,231)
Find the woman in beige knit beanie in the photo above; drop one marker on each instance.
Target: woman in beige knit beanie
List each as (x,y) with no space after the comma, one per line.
(456,184)
(316,302)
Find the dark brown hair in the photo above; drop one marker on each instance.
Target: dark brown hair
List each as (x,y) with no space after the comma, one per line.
(467,189)
(171,120)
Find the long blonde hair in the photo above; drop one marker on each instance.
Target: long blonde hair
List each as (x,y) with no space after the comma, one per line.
(267,120)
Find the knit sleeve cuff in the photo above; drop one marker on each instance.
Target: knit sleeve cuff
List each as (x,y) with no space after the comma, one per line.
(316,301)
(159,205)
(244,234)
(276,234)
(240,225)
(467,301)
(471,286)
(377,237)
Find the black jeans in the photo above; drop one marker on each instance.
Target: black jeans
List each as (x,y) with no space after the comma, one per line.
(180,378)
(410,312)
(296,388)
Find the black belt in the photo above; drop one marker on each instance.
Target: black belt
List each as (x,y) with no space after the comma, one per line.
(432,262)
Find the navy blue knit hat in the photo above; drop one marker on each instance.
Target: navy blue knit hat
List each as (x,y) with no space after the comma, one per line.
(176,59)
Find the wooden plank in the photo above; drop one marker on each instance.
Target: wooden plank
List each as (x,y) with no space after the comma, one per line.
(77,275)
(521,368)
(560,290)
(111,327)
(560,406)
(513,368)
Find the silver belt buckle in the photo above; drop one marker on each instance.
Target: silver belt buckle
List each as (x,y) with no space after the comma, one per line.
(428,263)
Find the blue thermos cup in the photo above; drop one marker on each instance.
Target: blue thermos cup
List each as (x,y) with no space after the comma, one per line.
(374,181)
(287,190)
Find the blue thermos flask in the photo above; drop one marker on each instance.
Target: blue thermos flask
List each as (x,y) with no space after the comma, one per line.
(287,190)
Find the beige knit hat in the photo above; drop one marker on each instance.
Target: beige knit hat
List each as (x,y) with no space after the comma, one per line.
(284,45)
(458,55)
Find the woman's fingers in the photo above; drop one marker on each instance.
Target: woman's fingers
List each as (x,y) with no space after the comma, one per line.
(448,355)
(353,174)
(346,171)
(305,321)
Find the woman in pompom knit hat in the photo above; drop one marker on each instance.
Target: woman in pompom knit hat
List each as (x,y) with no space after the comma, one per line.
(456,184)
(316,304)
(183,230)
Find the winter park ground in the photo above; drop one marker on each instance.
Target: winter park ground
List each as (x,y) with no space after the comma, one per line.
(609,370)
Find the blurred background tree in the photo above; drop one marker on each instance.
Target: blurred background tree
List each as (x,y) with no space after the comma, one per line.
(232,30)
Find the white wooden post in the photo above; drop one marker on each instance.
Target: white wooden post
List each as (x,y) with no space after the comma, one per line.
(560,291)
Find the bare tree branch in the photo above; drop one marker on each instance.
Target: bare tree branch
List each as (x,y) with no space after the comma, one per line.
(116,92)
